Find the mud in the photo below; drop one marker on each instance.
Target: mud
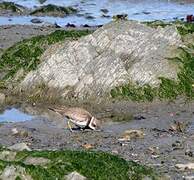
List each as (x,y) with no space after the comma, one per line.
(49,131)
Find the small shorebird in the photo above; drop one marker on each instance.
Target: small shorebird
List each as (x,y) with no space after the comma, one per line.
(78,116)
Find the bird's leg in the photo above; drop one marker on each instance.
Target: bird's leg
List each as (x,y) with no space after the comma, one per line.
(69,125)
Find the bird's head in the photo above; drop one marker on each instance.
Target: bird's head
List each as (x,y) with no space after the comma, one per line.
(94,124)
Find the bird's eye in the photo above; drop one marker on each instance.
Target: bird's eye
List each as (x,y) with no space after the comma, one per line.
(94,125)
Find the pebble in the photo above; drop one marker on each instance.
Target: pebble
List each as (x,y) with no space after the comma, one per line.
(75,176)
(19,147)
(36,161)
(36,21)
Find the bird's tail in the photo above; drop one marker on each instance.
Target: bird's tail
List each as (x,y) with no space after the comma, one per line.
(59,110)
(52,109)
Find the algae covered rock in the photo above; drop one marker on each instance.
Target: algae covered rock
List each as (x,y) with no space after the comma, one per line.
(11,8)
(116,54)
(53,10)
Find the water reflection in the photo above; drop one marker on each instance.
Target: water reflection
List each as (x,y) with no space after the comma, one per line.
(14,115)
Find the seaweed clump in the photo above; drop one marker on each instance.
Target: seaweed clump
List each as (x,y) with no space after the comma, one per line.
(92,165)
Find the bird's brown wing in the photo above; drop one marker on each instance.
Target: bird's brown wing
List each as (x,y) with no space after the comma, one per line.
(77,114)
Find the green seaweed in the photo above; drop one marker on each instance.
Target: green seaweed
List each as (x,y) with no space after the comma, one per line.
(135,93)
(26,54)
(183,28)
(157,23)
(93,165)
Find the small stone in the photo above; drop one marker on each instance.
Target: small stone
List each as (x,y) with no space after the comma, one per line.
(12,172)
(19,147)
(36,21)
(189,177)
(178,127)
(132,134)
(115,152)
(88,146)
(2,98)
(189,153)
(139,117)
(7,155)
(147,178)
(70,25)
(14,131)
(183,167)
(105,11)
(36,161)
(19,133)
(75,176)
(154,150)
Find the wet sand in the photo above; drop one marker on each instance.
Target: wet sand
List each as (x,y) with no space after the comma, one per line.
(161,148)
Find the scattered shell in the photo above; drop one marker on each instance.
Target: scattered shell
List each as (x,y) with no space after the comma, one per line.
(132,134)
(88,146)
(178,126)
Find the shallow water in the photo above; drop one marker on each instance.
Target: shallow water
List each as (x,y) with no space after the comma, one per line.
(14,115)
(142,10)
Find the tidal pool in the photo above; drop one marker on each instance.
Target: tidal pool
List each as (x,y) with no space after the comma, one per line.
(14,115)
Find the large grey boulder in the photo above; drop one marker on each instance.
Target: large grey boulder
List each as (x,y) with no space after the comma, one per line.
(113,55)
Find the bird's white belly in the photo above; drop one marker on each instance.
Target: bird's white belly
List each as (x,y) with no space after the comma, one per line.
(81,124)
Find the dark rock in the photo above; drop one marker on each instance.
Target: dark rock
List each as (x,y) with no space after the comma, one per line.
(139,117)
(86,25)
(120,17)
(146,12)
(189,153)
(36,21)
(89,17)
(70,25)
(105,11)
(56,25)
(105,16)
